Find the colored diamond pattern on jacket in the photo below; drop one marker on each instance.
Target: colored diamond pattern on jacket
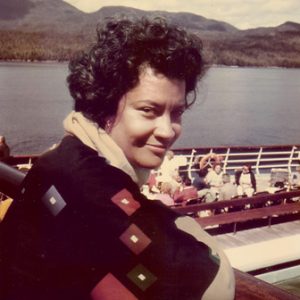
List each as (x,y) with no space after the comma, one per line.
(53,201)
(110,288)
(142,277)
(126,202)
(134,238)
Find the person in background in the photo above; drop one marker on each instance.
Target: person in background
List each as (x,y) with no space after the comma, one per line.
(295,177)
(169,170)
(228,189)
(4,149)
(186,193)
(165,194)
(214,180)
(245,181)
(81,228)
(204,164)
(169,167)
(152,182)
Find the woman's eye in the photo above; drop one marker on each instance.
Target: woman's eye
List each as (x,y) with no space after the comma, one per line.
(148,111)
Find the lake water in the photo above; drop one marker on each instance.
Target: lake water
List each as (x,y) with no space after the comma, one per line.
(235,106)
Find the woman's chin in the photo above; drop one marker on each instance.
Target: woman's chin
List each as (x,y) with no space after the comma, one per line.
(152,163)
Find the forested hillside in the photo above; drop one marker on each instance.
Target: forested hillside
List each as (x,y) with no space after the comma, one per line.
(53,30)
(40,46)
(278,50)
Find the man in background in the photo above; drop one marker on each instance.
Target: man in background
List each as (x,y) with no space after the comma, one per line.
(4,149)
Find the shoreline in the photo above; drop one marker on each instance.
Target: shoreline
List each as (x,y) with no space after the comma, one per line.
(53,62)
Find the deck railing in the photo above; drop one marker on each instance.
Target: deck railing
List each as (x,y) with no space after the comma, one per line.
(250,288)
(262,158)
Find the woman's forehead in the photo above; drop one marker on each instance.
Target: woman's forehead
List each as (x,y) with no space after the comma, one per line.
(155,86)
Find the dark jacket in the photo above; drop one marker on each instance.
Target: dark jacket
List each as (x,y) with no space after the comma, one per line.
(81,229)
(252,178)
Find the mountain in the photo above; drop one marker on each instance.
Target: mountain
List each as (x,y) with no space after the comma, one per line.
(53,29)
(14,9)
(43,15)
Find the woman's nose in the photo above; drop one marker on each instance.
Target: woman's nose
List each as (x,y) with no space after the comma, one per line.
(164,128)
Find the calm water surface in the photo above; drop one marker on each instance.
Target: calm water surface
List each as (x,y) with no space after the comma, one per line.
(246,106)
(235,106)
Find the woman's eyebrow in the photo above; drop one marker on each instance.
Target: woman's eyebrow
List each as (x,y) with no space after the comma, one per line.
(181,105)
(149,102)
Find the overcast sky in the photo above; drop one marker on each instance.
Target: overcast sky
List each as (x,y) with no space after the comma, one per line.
(241,13)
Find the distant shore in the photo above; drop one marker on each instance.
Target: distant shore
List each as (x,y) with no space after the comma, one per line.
(278,50)
(49,62)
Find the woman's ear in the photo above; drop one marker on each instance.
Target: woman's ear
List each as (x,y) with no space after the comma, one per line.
(109,123)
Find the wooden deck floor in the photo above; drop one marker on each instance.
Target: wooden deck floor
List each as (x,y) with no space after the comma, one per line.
(264,247)
(256,235)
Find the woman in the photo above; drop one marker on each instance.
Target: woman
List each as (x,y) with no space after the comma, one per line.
(81,229)
(245,181)
(204,164)
(214,179)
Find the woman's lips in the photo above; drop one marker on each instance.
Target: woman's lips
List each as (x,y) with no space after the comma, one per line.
(157,149)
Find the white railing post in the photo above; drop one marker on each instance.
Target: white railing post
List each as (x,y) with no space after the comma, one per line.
(258,160)
(291,159)
(191,164)
(226,159)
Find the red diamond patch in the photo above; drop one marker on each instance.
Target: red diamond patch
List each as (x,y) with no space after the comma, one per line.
(110,288)
(126,202)
(134,238)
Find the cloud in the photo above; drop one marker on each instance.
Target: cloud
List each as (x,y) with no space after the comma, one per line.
(13,9)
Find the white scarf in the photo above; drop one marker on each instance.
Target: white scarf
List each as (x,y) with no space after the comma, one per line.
(95,137)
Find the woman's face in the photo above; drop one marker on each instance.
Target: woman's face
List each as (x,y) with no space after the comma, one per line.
(245,169)
(218,169)
(148,119)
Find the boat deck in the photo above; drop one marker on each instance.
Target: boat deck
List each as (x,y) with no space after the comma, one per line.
(256,235)
(260,247)
(263,247)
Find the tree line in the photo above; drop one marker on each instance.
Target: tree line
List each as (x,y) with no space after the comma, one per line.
(39,46)
(279,50)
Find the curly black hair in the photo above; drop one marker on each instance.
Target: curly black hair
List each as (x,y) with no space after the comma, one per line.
(99,78)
